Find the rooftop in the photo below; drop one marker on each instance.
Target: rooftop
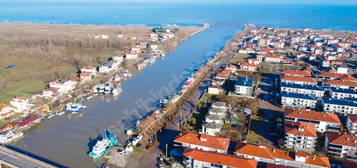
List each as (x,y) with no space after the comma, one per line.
(220,159)
(309,87)
(312,115)
(299,78)
(297,72)
(273,153)
(295,95)
(244,81)
(204,140)
(342,139)
(339,102)
(300,129)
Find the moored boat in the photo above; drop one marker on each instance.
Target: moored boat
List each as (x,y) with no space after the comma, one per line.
(104,145)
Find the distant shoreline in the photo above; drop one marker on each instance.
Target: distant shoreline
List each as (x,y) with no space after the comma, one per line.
(117,25)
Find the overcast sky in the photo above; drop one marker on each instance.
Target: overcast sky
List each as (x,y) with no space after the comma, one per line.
(342,2)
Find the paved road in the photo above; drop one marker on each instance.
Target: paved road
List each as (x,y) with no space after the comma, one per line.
(19,160)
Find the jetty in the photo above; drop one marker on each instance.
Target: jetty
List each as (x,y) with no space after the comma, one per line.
(14,159)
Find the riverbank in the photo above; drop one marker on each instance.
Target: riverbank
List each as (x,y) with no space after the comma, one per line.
(21,117)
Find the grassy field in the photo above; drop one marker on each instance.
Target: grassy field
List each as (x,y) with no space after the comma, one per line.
(44,52)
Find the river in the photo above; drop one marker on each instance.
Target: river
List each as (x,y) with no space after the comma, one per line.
(65,140)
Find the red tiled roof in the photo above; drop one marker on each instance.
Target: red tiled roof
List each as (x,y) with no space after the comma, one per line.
(300,129)
(223,74)
(314,160)
(353,118)
(85,74)
(297,72)
(335,75)
(273,153)
(312,115)
(298,78)
(89,67)
(262,151)
(246,64)
(220,159)
(342,139)
(210,141)
(341,83)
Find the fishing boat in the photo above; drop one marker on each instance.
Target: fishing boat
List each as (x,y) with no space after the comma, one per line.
(104,145)
(75,107)
(10,136)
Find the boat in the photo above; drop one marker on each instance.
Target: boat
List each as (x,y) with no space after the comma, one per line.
(104,145)
(60,113)
(116,91)
(75,107)
(10,136)
(51,116)
(137,139)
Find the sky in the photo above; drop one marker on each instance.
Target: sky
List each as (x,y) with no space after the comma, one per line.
(337,2)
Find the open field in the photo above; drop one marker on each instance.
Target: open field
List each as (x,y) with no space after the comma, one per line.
(46,52)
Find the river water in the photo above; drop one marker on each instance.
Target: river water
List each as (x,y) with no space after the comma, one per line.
(66,140)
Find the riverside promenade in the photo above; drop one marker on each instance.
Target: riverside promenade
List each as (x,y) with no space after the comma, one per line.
(14,159)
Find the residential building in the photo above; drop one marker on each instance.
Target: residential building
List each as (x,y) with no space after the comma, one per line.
(341,145)
(312,90)
(215,90)
(340,93)
(89,68)
(339,106)
(213,122)
(21,104)
(297,100)
(344,84)
(245,66)
(300,136)
(203,142)
(244,86)
(108,67)
(202,159)
(28,122)
(298,80)
(131,55)
(6,111)
(351,123)
(268,155)
(63,87)
(300,73)
(212,129)
(323,121)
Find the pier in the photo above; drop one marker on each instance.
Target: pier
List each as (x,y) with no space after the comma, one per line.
(14,159)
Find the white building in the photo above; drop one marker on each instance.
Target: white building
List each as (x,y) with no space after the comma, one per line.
(323,121)
(340,93)
(244,86)
(6,111)
(339,106)
(300,136)
(63,87)
(21,104)
(351,123)
(312,90)
(215,90)
(297,100)
(341,145)
(131,55)
(108,67)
